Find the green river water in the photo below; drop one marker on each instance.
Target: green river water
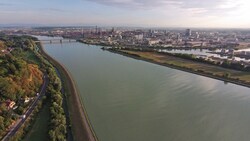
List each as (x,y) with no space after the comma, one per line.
(133,100)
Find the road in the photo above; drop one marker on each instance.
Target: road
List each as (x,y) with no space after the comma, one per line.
(28,112)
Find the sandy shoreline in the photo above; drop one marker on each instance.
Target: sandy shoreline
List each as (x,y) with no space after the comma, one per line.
(81,127)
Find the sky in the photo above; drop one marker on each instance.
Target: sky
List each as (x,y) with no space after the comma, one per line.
(143,13)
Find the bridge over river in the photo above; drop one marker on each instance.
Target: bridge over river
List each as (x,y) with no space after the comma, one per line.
(56,41)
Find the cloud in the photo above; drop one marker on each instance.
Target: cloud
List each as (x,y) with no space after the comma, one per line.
(5,4)
(195,11)
(193,6)
(53,9)
(160,3)
(138,4)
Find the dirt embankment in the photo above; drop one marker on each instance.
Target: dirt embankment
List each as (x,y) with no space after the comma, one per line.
(81,127)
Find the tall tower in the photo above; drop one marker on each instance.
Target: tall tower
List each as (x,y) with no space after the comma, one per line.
(113,30)
(188,32)
(178,37)
(82,33)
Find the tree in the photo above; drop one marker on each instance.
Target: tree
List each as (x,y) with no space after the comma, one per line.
(227,75)
(20,110)
(57,98)
(3,71)
(13,69)
(226,64)
(57,84)
(2,126)
(2,45)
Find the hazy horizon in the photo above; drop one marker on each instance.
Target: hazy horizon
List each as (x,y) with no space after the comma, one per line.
(130,13)
(11,25)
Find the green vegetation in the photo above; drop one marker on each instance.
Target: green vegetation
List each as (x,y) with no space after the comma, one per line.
(57,123)
(25,128)
(24,42)
(28,55)
(58,126)
(76,115)
(224,64)
(21,75)
(39,130)
(19,79)
(2,45)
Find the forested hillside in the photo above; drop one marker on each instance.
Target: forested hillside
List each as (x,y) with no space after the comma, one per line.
(20,77)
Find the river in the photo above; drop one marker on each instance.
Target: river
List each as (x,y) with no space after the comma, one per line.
(133,100)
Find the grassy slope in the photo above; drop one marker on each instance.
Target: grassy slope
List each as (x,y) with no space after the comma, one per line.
(30,57)
(40,128)
(183,63)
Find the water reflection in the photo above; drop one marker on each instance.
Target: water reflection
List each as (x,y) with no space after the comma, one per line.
(132,100)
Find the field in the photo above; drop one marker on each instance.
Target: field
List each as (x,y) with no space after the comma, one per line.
(40,128)
(29,55)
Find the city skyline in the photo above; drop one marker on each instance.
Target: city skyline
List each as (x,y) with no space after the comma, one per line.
(147,13)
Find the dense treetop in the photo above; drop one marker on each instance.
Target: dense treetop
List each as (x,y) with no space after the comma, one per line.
(20,76)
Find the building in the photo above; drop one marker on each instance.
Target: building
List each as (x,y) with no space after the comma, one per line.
(109,40)
(139,37)
(197,35)
(153,41)
(27,99)
(231,51)
(10,104)
(178,37)
(188,33)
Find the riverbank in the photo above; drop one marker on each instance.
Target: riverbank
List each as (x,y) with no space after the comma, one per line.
(98,43)
(81,127)
(183,65)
